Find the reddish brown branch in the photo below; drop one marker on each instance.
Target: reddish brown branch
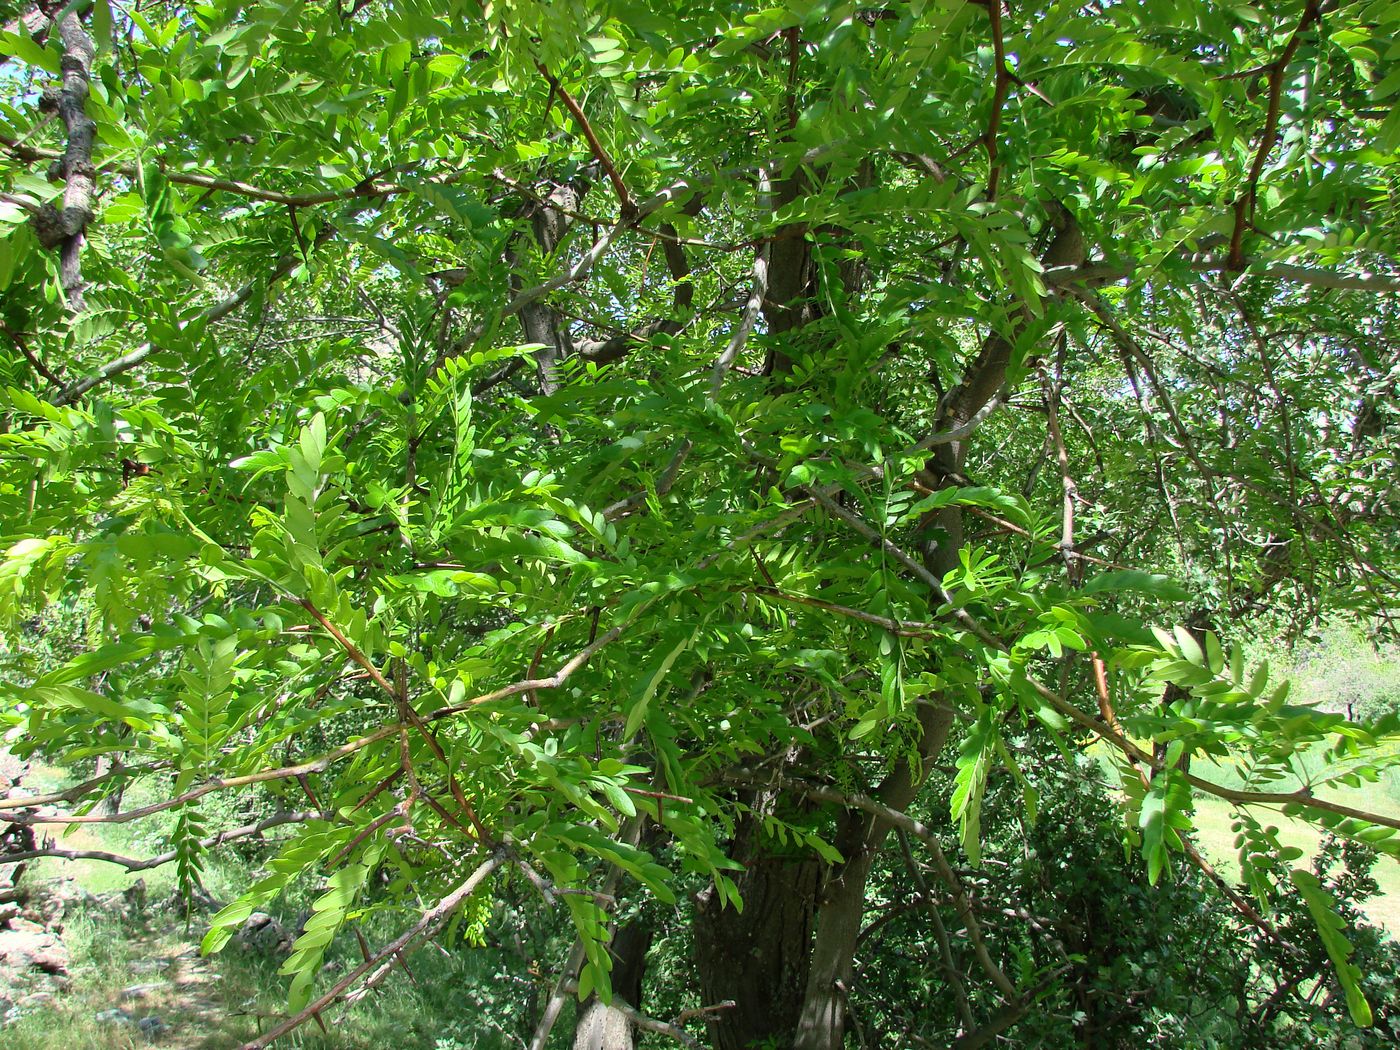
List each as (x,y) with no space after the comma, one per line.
(1000,89)
(1246,910)
(1245,202)
(315,765)
(624,199)
(34,361)
(903,628)
(350,648)
(1083,718)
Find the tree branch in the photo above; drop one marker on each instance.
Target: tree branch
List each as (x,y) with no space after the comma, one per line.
(424,927)
(134,864)
(757,293)
(218,311)
(978,630)
(370,187)
(630,834)
(604,351)
(1317,277)
(35,21)
(1000,89)
(315,765)
(1245,202)
(956,978)
(626,206)
(77,169)
(646,1022)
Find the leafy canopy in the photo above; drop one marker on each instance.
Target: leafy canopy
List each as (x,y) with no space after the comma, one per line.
(492,428)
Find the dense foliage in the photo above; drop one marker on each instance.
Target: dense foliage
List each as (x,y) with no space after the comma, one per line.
(622,448)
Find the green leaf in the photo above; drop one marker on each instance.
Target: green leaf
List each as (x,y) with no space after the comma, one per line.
(672,645)
(328,914)
(1332,931)
(974,760)
(1136,581)
(824,849)
(1190,648)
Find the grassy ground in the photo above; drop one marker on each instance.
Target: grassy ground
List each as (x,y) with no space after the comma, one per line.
(153,969)
(1216,839)
(1341,671)
(150,967)
(1217,842)
(1383,798)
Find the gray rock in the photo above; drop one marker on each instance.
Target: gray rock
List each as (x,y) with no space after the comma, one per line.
(116,1015)
(28,946)
(261,932)
(152,1026)
(134,899)
(140,991)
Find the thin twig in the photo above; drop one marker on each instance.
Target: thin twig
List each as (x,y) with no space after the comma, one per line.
(134,864)
(1246,201)
(749,317)
(126,362)
(426,926)
(626,206)
(1000,88)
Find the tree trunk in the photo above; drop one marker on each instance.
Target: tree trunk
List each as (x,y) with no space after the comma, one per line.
(76,167)
(758,958)
(786,959)
(14,838)
(601,1026)
(550,218)
(822,1024)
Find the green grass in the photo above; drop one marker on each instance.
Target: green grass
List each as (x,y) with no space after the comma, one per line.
(221,1002)
(452,1001)
(1217,842)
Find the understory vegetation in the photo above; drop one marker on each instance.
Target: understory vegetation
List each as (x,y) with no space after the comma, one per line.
(1134,965)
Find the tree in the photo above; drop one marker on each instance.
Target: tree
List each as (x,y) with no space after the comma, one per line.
(529,440)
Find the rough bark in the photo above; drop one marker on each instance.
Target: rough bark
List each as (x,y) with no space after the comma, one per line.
(76,167)
(822,1023)
(792,299)
(786,960)
(603,1026)
(758,958)
(549,223)
(33,20)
